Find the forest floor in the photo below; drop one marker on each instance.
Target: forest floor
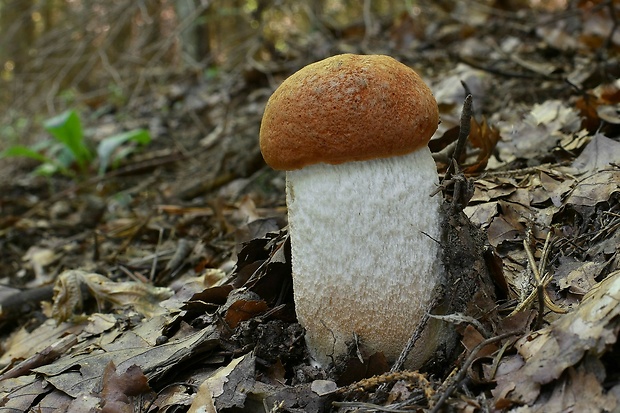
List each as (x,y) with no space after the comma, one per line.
(164,284)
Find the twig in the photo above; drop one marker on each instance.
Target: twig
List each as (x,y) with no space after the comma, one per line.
(465,125)
(540,288)
(542,265)
(155,255)
(370,407)
(505,73)
(132,236)
(547,168)
(398,365)
(497,359)
(385,378)
(541,282)
(21,302)
(468,362)
(544,280)
(412,340)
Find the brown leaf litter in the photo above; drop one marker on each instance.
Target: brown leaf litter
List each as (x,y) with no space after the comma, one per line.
(173,289)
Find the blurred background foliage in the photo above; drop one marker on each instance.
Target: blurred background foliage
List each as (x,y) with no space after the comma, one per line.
(60,54)
(55,54)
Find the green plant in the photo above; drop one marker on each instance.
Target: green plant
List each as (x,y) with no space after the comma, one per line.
(70,149)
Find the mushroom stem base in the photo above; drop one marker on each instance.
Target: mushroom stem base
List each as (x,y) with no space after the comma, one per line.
(366,254)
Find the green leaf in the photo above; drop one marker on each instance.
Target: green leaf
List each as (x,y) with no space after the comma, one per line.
(108,146)
(48,167)
(25,152)
(67,129)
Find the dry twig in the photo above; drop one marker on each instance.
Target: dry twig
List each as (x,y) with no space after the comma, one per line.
(540,282)
(470,359)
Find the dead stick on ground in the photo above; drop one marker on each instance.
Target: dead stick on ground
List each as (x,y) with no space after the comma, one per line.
(465,125)
(541,281)
(470,359)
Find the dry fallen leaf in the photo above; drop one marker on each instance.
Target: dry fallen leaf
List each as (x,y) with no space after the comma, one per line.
(119,387)
(597,155)
(580,278)
(548,354)
(579,390)
(600,104)
(502,230)
(227,388)
(80,374)
(539,130)
(68,294)
(595,188)
(485,138)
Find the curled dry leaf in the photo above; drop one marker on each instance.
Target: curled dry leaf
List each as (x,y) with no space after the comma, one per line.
(485,138)
(68,297)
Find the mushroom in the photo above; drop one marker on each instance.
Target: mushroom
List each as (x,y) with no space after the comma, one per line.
(352,132)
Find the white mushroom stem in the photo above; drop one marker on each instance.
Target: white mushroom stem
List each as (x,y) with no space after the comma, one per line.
(365,253)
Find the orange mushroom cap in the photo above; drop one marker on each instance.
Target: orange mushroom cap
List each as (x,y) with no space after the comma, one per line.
(347,108)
